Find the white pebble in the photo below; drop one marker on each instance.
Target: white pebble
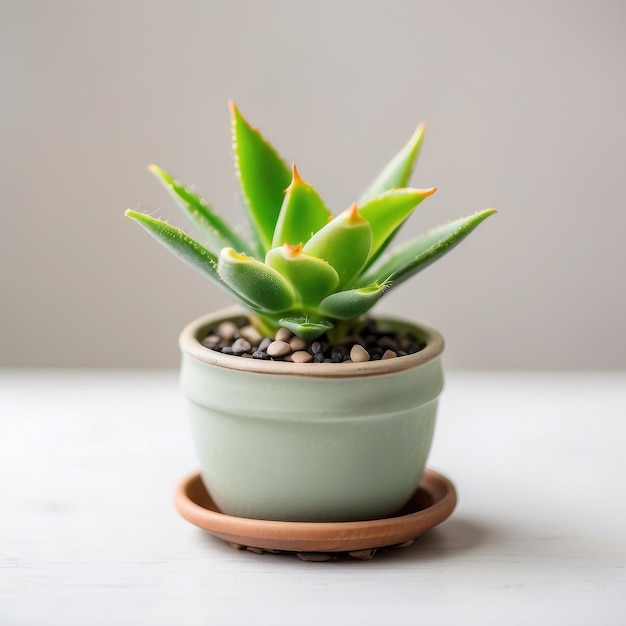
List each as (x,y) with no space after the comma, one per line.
(283,334)
(278,348)
(358,354)
(251,334)
(301,356)
(389,354)
(227,330)
(297,343)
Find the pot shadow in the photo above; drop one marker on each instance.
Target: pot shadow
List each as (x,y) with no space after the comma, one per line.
(456,536)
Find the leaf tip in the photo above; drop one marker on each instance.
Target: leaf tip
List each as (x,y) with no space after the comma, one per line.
(296,179)
(292,251)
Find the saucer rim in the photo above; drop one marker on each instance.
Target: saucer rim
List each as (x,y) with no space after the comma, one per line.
(319,536)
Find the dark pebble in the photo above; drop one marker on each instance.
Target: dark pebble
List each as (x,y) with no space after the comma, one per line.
(318,358)
(228,350)
(240,346)
(317,348)
(264,343)
(261,354)
(387,343)
(211,345)
(337,355)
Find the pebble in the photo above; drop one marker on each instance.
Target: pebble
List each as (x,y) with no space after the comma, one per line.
(301,356)
(212,342)
(228,331)
(278,348)
(241,345)
(317,347)
(373,345)
(265,342)
(251,334)
(336,354)
(359,354)
(388,343)
(297,343)
(283,334)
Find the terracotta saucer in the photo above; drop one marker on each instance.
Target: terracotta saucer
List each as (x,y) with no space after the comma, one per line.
(433,501)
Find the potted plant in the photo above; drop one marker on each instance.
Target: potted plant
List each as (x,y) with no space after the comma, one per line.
(302,407)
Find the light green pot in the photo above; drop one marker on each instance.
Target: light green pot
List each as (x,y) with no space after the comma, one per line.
(310,441)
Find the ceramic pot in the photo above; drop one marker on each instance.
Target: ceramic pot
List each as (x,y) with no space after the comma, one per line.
(310,441)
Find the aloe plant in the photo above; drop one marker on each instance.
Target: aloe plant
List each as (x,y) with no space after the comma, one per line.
(304,268)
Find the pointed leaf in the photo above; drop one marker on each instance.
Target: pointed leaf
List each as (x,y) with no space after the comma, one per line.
(187,249)
(387,212)
(353,302)
(306,327)
(311,277)
(419,253)
(397,172)
(345,243)
(255,281)
(219,235)
(303,213)
(263,177)
(182,245)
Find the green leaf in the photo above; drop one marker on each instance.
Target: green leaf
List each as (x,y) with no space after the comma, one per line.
(303,213)
(187,249)
(388,211)
(345,243)
(306,327)
(263,177)
(348,304)
(218,234)
(397,172)
(419,253)
(182,245)
(312,278)
(263,286)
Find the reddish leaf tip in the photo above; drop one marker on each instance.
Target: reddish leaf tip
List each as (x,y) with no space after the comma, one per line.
(295,173)
(296,179)
(292,251)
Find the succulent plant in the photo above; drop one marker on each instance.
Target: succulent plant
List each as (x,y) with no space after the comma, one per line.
(303,268)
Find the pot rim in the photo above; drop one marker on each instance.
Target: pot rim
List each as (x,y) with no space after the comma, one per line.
(189,344)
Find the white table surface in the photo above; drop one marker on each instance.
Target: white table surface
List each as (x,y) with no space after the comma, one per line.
(89,535)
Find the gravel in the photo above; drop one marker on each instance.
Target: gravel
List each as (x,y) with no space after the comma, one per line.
(371,344)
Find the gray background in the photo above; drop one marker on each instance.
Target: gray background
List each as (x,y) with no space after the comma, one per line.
(524,101)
